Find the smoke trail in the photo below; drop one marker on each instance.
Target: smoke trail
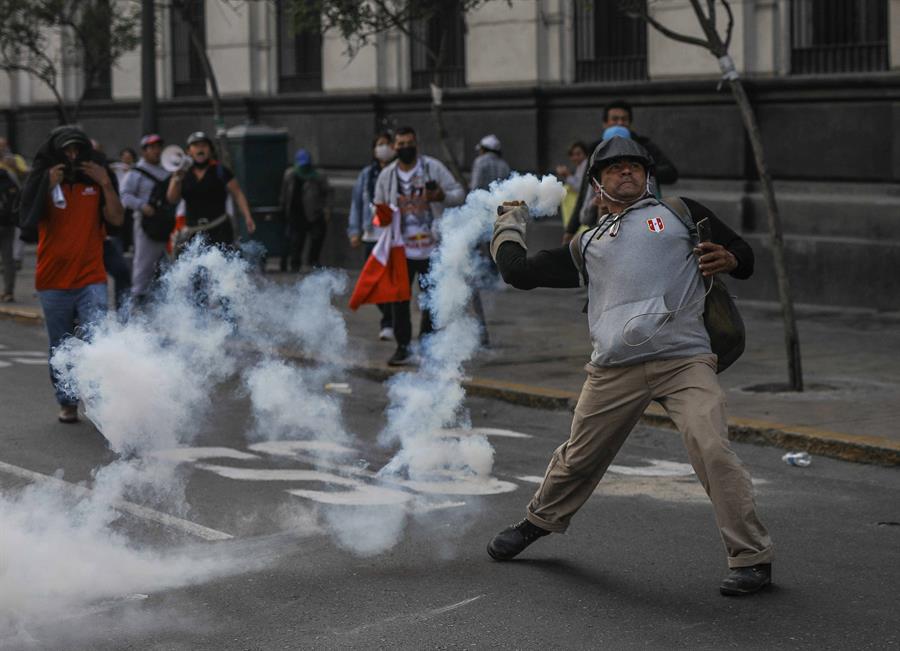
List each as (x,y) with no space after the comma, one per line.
(424,402)
(147,386)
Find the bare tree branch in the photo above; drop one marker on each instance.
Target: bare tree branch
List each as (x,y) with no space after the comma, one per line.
(638,10)
(730,27)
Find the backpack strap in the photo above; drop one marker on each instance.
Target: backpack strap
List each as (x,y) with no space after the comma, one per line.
(679,207)
(146,173)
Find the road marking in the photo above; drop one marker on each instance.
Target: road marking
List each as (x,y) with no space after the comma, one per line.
(656,468)
(284,474)
(414,617)
(192,454)
(291,448)
(143,512)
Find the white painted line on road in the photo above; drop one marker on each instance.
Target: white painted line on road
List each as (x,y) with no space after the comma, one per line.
(657,468)
(31,360)
(291,448)
(277,474)
(143,512)
(414,617)
(191,454)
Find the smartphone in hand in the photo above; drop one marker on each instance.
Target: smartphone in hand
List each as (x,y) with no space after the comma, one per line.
(704,233)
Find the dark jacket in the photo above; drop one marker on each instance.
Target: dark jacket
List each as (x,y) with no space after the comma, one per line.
(316,195)
(556,268)
(663,171)
(37,183)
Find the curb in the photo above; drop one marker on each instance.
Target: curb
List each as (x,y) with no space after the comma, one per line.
(22,314)
(825,443)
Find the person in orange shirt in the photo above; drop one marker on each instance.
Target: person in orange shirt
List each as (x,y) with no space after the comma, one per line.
(69,197)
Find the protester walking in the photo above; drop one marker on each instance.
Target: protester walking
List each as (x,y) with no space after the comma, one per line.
(420,187)
(205,188)
(361,227)
(488,166)
(9,220)
(646,266)
(17,168)
(67,198)
(142,192)
(305,197)
(572,175)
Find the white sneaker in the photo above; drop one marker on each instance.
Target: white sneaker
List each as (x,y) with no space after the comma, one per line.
(386,334)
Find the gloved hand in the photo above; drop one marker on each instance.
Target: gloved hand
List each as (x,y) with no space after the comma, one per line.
(510,226)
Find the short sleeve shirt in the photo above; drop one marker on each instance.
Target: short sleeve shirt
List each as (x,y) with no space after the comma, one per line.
(205,198)
(70,240)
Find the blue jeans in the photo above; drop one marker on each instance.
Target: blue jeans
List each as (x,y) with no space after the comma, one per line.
(61,309)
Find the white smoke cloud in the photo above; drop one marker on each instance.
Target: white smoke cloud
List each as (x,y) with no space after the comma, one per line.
(425,401)
(147,385)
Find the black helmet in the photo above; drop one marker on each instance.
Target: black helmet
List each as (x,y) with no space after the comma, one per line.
(199,136)
(618,148)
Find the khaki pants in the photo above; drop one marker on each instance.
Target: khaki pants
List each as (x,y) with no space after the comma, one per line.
(611,403)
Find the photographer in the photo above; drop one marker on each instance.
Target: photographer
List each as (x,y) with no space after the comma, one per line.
(645,269)
(68,197)
(420,187)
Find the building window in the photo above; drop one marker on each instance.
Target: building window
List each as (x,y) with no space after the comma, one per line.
(187,68)
(439,39)
(609,46)
(299,56)
(829,36)
(95,64)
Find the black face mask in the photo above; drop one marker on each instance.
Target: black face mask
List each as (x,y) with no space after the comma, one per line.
(407,154)
(203,165)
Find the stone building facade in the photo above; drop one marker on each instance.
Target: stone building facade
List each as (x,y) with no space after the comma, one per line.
(824,76)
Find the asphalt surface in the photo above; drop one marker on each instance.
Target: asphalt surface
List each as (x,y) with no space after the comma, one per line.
(639,568)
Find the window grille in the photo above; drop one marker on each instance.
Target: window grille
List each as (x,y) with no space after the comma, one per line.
(609,46)
(443,35)
(187,69)
(299,56)
(834,36)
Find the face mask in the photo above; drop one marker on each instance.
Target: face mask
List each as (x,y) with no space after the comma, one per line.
(202,165)
(407,154)
(384,153)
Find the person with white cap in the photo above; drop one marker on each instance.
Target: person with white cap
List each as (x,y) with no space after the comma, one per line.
(136,192)
(489,165)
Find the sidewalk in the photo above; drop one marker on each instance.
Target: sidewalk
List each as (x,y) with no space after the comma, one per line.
(850,410)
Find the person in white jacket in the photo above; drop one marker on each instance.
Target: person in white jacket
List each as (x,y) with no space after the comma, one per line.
(420,187)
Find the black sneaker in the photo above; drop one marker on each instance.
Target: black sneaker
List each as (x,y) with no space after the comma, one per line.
(401,357)
(510,542)
(746,580)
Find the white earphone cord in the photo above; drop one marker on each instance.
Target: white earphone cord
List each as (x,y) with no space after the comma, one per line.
(668,313)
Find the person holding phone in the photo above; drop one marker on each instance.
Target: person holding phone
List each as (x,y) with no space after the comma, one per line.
(419,187)
(69,197)
(644,270)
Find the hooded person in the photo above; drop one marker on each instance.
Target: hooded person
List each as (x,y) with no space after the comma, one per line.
(646,270)
(67,200)
(305,196)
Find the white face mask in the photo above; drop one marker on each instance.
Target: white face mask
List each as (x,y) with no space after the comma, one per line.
(384,153)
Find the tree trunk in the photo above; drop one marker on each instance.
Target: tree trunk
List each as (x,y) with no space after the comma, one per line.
(791,337)
(437,111)
(218,118)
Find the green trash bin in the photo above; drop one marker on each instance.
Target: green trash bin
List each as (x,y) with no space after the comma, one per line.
(259,156)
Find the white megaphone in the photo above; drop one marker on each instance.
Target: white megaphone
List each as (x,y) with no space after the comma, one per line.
(173,158)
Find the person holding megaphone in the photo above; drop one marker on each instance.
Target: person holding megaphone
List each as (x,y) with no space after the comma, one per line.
(204,185)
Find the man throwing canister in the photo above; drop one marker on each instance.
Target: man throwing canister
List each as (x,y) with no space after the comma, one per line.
(645,275)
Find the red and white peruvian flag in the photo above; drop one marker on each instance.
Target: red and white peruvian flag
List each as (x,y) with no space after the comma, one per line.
(383,278)
(655,225)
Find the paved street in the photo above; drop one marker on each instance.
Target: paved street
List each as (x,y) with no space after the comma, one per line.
(639,568)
